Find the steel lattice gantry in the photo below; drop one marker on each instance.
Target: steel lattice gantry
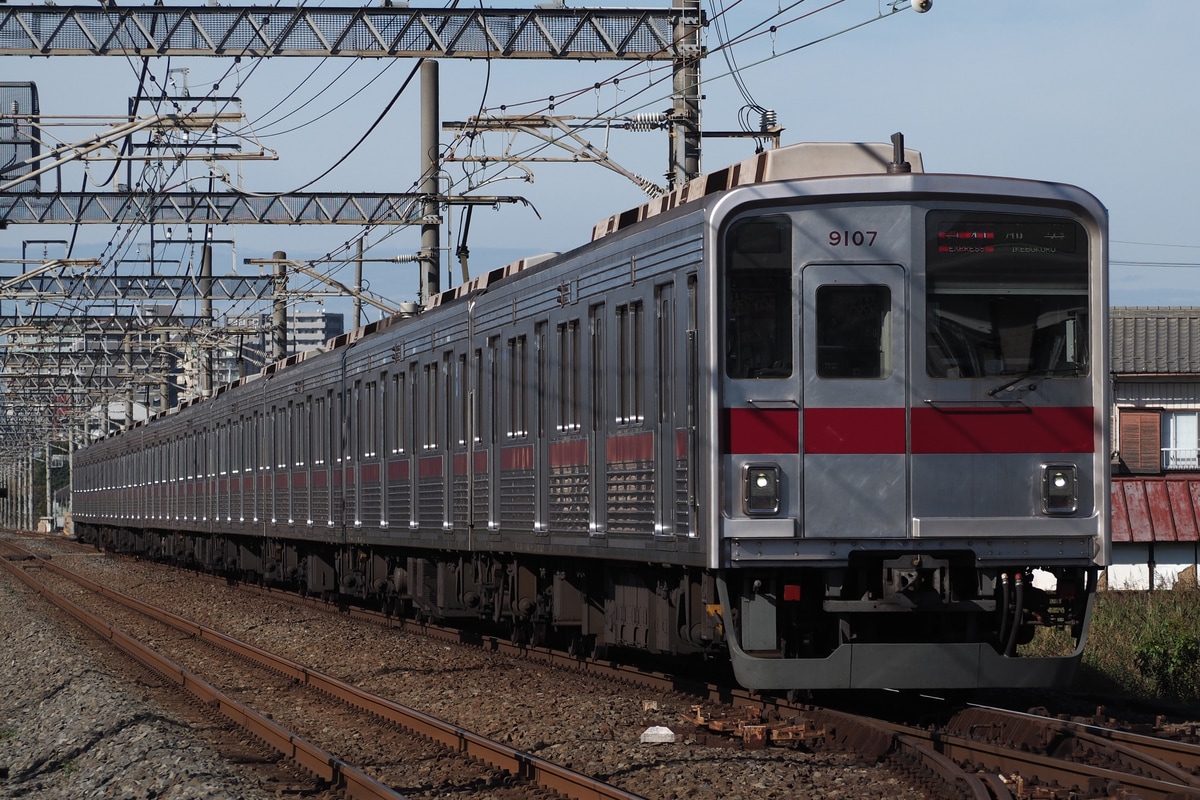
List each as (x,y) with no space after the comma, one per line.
(204,208)
(224,208)
(358,32)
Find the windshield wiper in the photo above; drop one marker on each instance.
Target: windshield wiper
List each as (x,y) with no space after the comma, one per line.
(1074,370)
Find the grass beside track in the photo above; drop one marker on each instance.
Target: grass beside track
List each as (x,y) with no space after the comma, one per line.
(1143,645)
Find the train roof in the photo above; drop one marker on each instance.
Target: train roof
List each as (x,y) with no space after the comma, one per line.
(796,161)
(793,162)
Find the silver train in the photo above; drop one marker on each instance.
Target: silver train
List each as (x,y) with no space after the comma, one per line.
(821,413)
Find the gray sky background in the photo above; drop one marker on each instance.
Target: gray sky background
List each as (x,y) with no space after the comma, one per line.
(1099,94)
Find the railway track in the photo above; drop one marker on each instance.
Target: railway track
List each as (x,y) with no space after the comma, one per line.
(980,753)
(201,660)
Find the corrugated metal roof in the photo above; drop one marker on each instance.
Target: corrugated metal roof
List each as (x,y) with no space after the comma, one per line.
(1155,340)
(1156,509)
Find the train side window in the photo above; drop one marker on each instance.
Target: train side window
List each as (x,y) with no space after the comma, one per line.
(303,425)
(402,422)
(285,436)
(366,421)
(452,397)
(759,326)
(853,331)
(599,364)
(212,451)
(268,439)
(476,410)
(568,376)
(629,364)
(493,398)
(429,383)
(665,301)
(316,430)
(414,397)
(295,434)
(517,388)
(540,390)
(460,390)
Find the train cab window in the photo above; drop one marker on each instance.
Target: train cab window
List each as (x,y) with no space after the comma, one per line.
(1006,295)
(759,328)
(854,331)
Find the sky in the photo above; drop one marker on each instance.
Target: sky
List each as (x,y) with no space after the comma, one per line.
(1098,94)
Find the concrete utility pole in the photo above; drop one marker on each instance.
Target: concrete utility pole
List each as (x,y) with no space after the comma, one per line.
(431,229)
(685,107)
(358,303)
(206,321)
(279,334)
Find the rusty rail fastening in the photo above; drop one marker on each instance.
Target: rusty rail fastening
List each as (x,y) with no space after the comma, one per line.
(324,766)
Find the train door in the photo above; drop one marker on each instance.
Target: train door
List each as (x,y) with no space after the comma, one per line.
(854,426)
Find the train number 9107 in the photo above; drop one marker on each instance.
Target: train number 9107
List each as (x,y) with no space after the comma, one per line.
(852,238)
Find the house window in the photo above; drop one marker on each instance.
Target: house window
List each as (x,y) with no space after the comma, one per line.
(1180,439)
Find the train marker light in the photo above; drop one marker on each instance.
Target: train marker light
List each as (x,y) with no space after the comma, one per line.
(760,496)
(1060,488)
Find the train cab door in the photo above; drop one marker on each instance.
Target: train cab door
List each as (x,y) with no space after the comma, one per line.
(855,421)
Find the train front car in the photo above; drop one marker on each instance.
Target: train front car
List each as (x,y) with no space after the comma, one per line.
(910,415)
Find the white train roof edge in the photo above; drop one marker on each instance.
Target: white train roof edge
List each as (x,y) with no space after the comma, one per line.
(793,162)
(796,161)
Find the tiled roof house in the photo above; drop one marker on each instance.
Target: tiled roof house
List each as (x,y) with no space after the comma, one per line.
(1156,439)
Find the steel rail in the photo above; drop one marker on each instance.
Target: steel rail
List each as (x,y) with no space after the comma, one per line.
(308,757)
(939,753)
(1163,759)
(517,763)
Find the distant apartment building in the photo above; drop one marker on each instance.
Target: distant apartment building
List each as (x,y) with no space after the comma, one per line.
(247,346)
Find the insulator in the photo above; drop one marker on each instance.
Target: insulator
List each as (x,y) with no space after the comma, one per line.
(647,122)
(769,120)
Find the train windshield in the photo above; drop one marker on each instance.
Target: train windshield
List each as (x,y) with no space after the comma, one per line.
(758,299)
(1006,294)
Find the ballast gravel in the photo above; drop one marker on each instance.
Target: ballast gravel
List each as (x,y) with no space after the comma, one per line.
(75,725)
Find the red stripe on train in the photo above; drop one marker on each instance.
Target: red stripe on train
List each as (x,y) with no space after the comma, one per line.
(952,430)
(1005,429)
(750,431)
(854,430)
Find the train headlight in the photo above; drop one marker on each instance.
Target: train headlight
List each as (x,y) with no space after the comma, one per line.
(760,489)
(1060,488)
